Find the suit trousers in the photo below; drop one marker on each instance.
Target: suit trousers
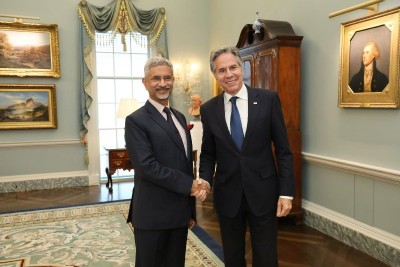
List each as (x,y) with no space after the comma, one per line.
(263,233)
(160,248)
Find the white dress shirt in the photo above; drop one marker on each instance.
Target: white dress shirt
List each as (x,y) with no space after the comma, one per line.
(242,105)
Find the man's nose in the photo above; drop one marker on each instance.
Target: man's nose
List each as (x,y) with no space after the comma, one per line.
(163,82)
(229,73)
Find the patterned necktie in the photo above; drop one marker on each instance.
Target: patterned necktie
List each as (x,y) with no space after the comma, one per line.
(236,124)
(170,121)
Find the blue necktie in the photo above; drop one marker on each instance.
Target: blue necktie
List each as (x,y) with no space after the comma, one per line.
(236,124)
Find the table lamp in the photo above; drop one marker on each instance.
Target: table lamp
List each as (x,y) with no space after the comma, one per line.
(127,106)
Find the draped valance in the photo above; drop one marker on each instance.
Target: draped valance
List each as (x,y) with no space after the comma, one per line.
(119,16)
(122,16)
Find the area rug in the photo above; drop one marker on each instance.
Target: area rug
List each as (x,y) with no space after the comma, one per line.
(92,235)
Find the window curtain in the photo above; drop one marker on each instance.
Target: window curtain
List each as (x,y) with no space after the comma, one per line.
(118,16)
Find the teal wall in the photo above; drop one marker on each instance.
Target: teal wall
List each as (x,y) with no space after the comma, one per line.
(368,137)
(39,156)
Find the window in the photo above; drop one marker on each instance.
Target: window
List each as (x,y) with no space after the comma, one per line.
(119,72)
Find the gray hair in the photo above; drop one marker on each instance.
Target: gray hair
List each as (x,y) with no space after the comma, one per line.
(375,49)
(156,61)
(225,50)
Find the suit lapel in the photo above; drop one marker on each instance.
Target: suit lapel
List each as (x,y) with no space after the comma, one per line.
(188,136)
(220,113)
(253,109)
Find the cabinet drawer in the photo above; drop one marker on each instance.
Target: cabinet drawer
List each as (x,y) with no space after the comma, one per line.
(118,154)
(120,163)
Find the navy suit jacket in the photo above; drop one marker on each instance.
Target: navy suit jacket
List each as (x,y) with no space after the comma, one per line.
(163,171)
(252,171)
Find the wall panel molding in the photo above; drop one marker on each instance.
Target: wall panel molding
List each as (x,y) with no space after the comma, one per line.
(41,143)
(387,175)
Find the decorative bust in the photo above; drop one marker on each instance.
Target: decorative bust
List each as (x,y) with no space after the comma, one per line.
(194,109)
(257,25)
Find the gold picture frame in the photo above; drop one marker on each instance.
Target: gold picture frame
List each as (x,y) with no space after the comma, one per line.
(27,106)
(375,37)
(29,50)
(217,89)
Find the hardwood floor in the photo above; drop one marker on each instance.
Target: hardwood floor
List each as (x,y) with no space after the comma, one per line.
(298,245)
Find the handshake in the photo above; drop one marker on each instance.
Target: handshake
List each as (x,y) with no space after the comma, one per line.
(200,189)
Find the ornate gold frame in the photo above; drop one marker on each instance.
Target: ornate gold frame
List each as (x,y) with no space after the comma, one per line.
(355,34)
(29,64)
(217,89)
(31,96)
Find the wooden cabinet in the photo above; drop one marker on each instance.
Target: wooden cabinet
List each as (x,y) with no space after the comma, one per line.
(272,59)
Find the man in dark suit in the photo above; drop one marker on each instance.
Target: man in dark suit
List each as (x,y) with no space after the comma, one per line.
(253,183)
(160,148)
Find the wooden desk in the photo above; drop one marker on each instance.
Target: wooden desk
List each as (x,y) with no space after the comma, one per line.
(118,158)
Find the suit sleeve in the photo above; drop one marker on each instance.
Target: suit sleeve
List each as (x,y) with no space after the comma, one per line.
(207,157)
(284,156)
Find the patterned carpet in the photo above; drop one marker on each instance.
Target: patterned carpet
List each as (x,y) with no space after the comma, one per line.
(92,235)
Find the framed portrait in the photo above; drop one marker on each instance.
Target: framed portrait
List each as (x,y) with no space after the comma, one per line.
(369,61)
(29,50)
(27,107)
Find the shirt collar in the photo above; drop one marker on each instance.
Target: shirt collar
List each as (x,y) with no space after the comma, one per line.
(158,106)
(242,94)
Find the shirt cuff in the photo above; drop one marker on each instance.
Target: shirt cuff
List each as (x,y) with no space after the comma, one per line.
(287,197)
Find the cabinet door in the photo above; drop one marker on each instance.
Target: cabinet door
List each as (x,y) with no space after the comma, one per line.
(248,70)
(266,69)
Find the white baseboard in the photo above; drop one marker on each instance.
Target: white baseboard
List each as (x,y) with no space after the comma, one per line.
(94,179)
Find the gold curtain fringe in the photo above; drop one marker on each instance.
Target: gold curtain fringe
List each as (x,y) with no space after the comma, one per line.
(85,24)
(158,34)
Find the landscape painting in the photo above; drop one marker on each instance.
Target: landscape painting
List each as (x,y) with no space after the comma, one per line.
(29,50)
(27,107)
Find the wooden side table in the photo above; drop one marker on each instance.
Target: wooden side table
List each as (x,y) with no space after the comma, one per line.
(118,158)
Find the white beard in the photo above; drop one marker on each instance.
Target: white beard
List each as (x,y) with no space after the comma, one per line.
(163,96)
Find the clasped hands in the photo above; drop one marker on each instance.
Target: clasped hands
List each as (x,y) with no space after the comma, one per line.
(200,189)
